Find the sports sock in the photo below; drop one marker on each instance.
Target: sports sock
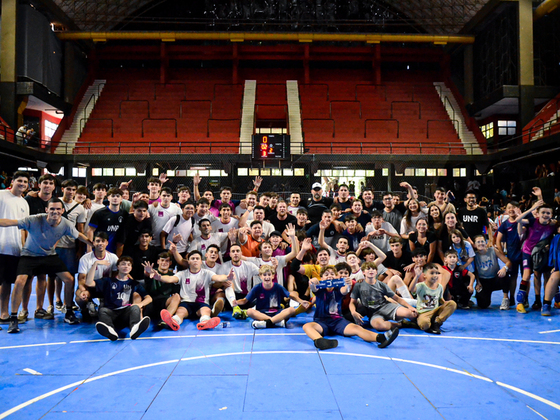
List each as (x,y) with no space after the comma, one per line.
(547,302)
(177,319)
(230,296)
(537,298)
(403,290)
(204,318)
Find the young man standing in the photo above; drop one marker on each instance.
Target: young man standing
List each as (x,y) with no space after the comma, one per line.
(161,212)
(225,222)
(475,218)
(39,256)
(179,229)
(294,206)
(109,219)
(12,206)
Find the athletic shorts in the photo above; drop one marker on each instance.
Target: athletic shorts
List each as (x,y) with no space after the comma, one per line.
(388,312)
(270,312)
(34,266)
(193,307)
(332,326)
(527,260)
(8,268)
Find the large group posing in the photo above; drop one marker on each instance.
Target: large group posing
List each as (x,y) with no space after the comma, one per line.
(365,267)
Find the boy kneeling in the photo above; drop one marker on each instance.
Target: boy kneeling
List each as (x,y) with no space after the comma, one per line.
(268,295)
(118,309)
(328,317)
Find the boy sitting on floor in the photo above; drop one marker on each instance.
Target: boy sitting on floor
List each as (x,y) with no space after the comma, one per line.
(268,295)
(118,308)
(433,310)
(328,317)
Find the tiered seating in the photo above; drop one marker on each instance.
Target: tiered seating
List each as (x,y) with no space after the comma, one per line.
(545,122)
(270,103)
(356,116)
(194,112)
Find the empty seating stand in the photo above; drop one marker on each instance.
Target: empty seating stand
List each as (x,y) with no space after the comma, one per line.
(192,113)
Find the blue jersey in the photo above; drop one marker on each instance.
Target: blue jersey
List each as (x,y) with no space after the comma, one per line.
(117,294)
(268,299)
(554,253)
(328,304)
(511,238)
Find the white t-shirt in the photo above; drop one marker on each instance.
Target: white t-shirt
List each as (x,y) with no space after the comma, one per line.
(381,241)
(195,287)
(87,261)
(259,262)
(218,226)
(184,228)
(243,275)
(77,215)
(201,244)
(197,218)
(214,269)
(335,257)
(13,208)
(159,216)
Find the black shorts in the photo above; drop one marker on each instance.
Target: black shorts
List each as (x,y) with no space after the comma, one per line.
(193,307)
(34,266)
(8,268)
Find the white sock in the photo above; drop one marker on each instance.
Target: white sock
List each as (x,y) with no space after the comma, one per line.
(403,290)
(204,318)
(177,319)
(230,296)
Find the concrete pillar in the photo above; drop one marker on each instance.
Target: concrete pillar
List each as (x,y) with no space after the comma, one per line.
(526,73)
(468,73)
(8,106)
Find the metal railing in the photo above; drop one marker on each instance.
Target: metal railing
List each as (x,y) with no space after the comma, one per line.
(408,102)
(344,101)
(86,107)
(133,100)
(428,126)
(382,119)
(193,100)
(114,84)
(96,119)
(150,147)
(160,119)
(388,148)
(170,84)
(320,119)
(370,85)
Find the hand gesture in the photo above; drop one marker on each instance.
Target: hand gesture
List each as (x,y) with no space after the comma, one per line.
(86,204)
(358,318)
(290,230)
(124,185)
(163,178)
(177,238)
(417,271)
(257,181)
(274,262)
(405,185)
(470,289)
(306,245)
(502,272)
(536,191)
(196,179)
(231,275)
(232,234)
(172,246)
(148,267)
(323,225)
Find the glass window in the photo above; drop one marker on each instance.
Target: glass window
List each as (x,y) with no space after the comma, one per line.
(107,171)
(155,171)
(204,172)
(431,172)
(442,172)
(215,172)
(50,128)
(360,172)
(181,172)
(130,171)
(385,172)
(242,171)
(420,172)
(299,171)
(370,172)
(409,171)
(265,172)
(119,171)
(288,172)
(253,171)
(97,171)
(170,172)
(78,172)
(276,172)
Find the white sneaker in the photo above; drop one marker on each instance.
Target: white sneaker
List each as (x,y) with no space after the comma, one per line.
(258,325)
(505,304)
(281,324)
(139,327)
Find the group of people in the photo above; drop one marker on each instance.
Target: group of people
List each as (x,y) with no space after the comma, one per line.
(365,267)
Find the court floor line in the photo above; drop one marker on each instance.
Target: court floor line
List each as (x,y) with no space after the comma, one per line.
(303,352)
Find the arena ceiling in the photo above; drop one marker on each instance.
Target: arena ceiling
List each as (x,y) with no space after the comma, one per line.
(436,17)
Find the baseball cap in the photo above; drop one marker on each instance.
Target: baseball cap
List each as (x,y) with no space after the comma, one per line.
(317,186)
(275,233)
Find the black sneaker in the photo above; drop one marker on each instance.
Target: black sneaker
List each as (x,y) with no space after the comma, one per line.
(139,328)
(324,343)
(434,328)
(389,337)
(13,328)
(42,314)
(537,306)
(70,318)
(106,331)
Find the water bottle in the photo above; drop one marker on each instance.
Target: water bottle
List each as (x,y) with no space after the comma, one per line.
(224,324)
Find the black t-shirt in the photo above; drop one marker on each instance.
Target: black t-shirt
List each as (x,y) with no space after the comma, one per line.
(138,257)
(444,237)
(105,220)
(398,263)
(430,238)
(315,209)
(375,205)
(473,221)
(280,225)
(36,205)
(314,230)
(131,230)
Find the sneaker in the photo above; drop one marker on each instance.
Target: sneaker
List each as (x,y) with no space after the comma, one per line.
(521,308)
(42,314)
(160,326)
(75,307)
(59,306)
(325,344)
(210,324)
(5,320)
(22,316)
(389,337)
(505,304)
(91,309)
(537,305)
(546,310)
(434,328)
(106,331)
(258,325)
(405,323)
(139,327)
(464,306)
(470,304)
(50,310)
(70,318)
(238,313)
(557,305)
(13,328)
(168,319)
(281,324)
(217,307)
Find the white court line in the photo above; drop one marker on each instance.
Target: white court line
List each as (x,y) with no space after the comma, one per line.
(96,378)
(33,372)
(507,340)
(32,345)
(548,332)
(532,409)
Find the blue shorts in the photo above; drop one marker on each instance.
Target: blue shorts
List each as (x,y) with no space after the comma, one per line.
(193,307)
(332,326)
(527,261)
